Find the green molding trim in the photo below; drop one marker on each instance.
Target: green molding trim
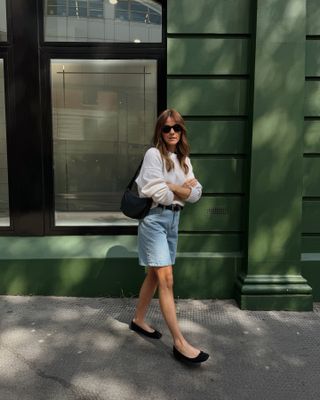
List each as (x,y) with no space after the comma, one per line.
(273,292)
(61,247)
(280,279)
(273,284)
(101,247)
(275,303)
(208,254)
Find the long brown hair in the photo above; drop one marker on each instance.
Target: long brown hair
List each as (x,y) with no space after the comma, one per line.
(182,149)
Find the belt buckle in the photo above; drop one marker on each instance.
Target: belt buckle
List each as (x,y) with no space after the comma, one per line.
(175,207)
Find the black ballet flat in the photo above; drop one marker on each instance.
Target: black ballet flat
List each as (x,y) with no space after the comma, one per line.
(201,357)
(154,335)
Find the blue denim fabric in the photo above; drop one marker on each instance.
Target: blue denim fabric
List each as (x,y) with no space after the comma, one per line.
(158,237)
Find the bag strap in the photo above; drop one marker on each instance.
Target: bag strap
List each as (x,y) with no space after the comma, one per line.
(135,175)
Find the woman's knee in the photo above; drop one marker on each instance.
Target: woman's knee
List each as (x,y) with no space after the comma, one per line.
(165,277)
(152,274)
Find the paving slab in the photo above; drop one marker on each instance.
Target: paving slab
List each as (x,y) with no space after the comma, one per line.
(57,348)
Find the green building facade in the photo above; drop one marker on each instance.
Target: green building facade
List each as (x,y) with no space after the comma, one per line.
(245,74)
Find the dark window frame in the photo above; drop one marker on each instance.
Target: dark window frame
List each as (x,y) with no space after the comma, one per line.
(29,127)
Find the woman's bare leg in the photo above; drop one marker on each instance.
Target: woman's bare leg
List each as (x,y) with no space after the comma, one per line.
(168,308)
(147,291)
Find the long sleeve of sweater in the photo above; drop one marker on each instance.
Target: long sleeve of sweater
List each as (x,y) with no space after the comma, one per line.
(196,192)
(151,181)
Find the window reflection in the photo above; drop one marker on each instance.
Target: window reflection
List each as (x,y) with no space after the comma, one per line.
(3,21)
(103,117)
(4,192)
(103,20)
(73,8)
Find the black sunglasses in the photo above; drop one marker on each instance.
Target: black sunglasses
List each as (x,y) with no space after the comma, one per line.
(167,128)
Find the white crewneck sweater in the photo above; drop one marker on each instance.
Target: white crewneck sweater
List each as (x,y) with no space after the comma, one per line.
(153,176)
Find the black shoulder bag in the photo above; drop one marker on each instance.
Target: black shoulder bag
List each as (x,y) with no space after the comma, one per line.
(132,205)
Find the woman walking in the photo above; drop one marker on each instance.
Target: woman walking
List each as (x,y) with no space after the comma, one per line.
(166,176)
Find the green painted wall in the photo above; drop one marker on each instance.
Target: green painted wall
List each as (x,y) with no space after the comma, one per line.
(310,256)
(271,278)
(208,77)
(108,266)
(213,16)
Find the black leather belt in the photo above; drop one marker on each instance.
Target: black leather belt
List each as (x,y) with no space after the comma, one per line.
(172,207)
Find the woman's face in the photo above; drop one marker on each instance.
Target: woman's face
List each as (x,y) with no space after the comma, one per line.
(171,138)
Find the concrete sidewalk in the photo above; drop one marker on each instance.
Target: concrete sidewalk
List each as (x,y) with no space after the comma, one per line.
(81,349)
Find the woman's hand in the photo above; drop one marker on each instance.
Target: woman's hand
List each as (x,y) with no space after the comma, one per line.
(173,188)
(182,192)
(189,183)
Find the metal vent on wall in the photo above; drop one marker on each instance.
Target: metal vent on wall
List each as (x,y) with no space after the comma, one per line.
(217,211)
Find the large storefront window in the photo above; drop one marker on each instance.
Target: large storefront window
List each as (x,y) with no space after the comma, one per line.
(76,117)
(4,194)
(3,21)
(103,21)
(103,117)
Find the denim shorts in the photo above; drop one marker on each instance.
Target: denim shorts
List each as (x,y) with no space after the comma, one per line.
(158,237)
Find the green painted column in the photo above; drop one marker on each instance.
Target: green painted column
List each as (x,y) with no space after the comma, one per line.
(271,277)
